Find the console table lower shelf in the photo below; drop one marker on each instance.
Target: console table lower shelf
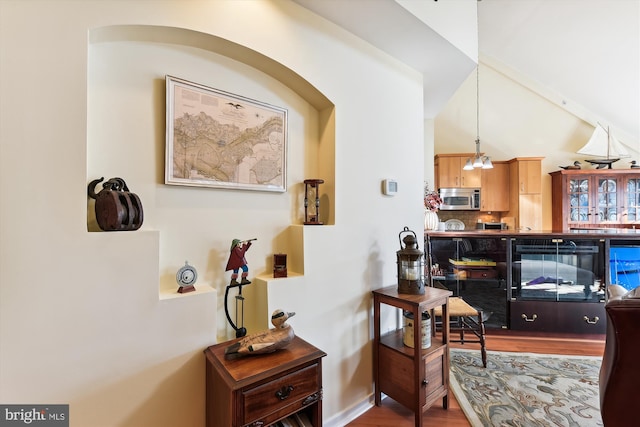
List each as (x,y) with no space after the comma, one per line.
(263,389)
(415,378)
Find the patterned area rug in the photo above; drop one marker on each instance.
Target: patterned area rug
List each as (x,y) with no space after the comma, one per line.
(526,389)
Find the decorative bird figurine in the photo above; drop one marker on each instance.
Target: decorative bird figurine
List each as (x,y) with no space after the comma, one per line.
(266,341)
(634,164)
(575,165)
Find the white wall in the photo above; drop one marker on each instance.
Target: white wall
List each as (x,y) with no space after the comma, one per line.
(81,317)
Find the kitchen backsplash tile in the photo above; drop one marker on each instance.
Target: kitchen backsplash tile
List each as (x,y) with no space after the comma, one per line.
(470,218)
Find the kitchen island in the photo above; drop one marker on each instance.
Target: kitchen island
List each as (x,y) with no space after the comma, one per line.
(535,280)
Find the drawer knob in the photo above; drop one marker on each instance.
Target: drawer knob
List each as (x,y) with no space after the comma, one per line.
(531,319)
(591,321)
(284,392)
(425,383)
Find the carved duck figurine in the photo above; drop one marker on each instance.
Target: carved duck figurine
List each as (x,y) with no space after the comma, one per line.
(575,165)
(266,341)
(634,164)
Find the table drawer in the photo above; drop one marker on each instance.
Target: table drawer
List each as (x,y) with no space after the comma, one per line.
(560,316)
(582,318)
(261,401)
(475,273)
(481,273)
(533,316)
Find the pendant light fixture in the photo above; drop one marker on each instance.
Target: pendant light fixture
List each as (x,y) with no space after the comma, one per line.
(478,161)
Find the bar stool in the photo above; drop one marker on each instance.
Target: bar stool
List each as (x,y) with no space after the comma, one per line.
(464,319)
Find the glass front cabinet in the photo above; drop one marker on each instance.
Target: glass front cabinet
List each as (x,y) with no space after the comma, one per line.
(557,285)
(595,198)
(536,282)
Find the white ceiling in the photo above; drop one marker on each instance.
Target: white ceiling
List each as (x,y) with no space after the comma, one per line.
(582,54)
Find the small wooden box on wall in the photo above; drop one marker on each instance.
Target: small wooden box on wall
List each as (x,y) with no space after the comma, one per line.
(280,265)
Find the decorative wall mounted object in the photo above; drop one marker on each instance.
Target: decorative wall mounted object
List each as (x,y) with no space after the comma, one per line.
(221,140)
(312,201)
(117,209)
(280,265)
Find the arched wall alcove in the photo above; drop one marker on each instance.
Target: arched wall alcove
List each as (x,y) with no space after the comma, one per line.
(126,137)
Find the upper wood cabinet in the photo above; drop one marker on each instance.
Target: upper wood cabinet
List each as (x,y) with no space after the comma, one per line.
(525,192)
(494,195)
(528,173)
(595,198)
(449,172)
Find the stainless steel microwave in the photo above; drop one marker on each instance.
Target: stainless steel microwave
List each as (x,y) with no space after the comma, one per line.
(460,199)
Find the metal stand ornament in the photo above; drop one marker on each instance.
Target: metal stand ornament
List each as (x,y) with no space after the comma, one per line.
(236,262)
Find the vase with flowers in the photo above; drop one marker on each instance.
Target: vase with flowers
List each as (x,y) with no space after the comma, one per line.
(432,202)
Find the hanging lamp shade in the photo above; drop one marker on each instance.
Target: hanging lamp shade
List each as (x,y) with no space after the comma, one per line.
(468,166)
(479,161)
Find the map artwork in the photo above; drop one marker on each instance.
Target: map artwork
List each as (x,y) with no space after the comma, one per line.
(217,139)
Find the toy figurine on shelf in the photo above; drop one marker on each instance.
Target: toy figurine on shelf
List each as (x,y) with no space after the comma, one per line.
(236,262)
(267,341)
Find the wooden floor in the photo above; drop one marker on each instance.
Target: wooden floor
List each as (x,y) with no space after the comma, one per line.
(391,413)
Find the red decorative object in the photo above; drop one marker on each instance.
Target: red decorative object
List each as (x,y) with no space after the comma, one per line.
(280,265)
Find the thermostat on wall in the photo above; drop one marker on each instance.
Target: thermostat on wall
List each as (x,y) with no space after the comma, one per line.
(389,187)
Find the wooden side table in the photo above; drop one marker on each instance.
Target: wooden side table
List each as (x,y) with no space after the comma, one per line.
(414,377)
(262,389)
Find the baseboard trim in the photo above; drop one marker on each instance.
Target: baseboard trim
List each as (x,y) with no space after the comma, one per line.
(345,417)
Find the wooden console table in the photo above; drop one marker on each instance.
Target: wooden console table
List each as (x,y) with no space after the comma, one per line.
(414,378)
(262,389)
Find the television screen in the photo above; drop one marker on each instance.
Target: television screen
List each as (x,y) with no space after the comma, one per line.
(624,266)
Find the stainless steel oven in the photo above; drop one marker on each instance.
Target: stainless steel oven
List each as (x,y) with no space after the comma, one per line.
(460,199)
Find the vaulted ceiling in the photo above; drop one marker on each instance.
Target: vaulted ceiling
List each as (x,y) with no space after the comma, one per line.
(582,54)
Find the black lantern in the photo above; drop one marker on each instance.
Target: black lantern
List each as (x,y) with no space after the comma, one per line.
(410,264)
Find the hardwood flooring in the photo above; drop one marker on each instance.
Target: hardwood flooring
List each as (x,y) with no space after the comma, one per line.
(391,413)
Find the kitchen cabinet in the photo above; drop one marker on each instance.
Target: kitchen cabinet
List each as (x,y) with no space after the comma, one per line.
(260,390)
(525,192)
(413,376)
(595,198)
(494,195)
(528,174)
(449,172)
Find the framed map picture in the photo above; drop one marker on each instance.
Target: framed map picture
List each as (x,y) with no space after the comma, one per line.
(218,139)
